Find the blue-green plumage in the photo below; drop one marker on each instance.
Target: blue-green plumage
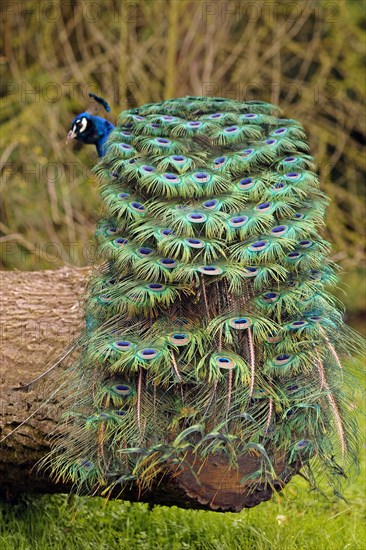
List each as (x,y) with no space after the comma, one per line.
(213,330)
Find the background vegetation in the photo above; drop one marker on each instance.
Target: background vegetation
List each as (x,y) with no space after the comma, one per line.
(306,55)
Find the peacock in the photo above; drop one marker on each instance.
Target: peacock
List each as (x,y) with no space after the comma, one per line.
(210,328)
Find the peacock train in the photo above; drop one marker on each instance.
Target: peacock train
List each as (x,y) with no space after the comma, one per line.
(211,329)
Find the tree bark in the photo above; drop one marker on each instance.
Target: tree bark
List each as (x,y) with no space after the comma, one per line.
(41,315)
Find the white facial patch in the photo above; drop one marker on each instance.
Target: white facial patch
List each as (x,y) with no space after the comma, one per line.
(84,124)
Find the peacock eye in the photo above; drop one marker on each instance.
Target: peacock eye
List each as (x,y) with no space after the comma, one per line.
(123,345)
(210,270)
(246,153)
(238,221)
(179,338)
(270,297)
(84,124)
(239,323)
(282,359)
(258,246)
(169,263)
(148,354)
(224,362)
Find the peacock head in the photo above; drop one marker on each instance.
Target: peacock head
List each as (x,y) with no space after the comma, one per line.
(91,129)
(82,128)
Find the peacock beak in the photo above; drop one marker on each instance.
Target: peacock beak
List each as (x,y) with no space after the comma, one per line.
(71,135)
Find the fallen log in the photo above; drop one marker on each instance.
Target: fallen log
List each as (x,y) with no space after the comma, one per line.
(41,315)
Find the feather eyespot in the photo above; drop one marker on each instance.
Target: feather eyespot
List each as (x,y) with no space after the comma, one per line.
(270,297)
(210,204)
(180,159)
(144,251)
(302,444)
(246,153)
(270,141)
(299,216)
(167,232)
(179,338)
(258,246)
(224,362)
(196,217)
(111,230)
(290,160)
(294,255)
(194,123)
(146,168)
(120,241)
(230,129)
(163,141)
(168,118)
(123,345)
(315,319)
(277,186)
(264,206)
(201,177)
(168,263)
(137,207)
(105,298)
(238,221)
(280,131)
(195,243)
(216,115)
(246,183)
(172,178)
(123,196)
(210,270)
(156,287)
(240,323)
(293,175)
(306,243)
(148,354)
(279,230)
(250,115)
(282,359)
(297,324)
(219,162)
(122,389)
(250,271)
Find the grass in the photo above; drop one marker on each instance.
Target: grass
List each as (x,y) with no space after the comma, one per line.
(296,519)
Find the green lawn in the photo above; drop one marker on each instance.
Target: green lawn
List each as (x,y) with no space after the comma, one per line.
(296,519)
